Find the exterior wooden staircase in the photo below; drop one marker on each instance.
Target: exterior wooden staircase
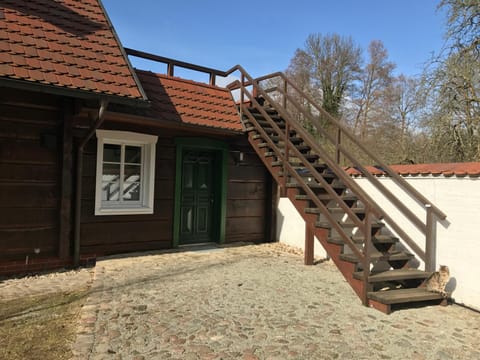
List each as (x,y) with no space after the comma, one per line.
(373,253)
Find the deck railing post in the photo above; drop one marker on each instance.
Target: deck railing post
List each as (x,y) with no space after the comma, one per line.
(430,245)
(242,94)
(170,67)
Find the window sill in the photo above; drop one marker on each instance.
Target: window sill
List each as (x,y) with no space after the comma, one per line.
(123,211)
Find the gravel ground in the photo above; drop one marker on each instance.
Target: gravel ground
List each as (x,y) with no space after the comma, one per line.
(255,302)
(251,302)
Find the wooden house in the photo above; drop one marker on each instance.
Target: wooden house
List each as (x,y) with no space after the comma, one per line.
(97,158)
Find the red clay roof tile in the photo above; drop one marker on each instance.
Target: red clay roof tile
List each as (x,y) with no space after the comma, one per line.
(445,169)
(186,101)
(70,34)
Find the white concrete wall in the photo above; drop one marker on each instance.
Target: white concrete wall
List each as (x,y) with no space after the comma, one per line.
(458,239)
(291,228)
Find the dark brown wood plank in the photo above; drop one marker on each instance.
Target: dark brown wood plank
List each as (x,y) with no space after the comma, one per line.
(243,208)
(31,172)
(404,296)
(26,152)
(246,190)
(28,195)
(21,242)
(16,217)
(109,249)
(394,275)
(125,232)
(66,195)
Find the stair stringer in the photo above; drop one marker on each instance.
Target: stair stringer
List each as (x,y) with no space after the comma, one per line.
(333,250)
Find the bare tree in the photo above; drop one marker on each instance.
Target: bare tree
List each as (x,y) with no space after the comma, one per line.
(463,25)
(327,66)
(453,85)
(375,81)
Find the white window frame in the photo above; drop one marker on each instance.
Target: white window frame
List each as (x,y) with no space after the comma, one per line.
(148,143)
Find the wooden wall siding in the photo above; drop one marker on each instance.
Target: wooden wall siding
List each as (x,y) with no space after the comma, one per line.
(247,196)
(110,234)
(246,200)
(29,175)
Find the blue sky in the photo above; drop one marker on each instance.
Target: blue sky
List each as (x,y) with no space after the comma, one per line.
(262,36)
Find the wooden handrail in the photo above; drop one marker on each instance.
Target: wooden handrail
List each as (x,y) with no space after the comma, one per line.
(398,179)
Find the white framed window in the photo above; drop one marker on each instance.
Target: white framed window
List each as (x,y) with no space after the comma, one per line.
(125,173)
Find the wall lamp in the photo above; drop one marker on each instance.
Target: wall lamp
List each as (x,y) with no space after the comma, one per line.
(238,157)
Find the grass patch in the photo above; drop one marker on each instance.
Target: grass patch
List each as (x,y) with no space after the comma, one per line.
(39,327)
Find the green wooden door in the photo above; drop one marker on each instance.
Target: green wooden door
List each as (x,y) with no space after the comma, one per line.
(197,197)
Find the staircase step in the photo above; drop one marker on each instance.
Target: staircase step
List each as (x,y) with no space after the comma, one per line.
(267,124)
(293,139)
(376,239)
(273,116)
(345,198)
(393,275)
(393,256)
(401,296)
(327,225)
(314,210)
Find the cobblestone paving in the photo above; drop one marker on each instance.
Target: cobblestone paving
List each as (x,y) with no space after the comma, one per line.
(254,302)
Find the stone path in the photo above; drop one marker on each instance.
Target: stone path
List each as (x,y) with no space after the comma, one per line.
(254,302)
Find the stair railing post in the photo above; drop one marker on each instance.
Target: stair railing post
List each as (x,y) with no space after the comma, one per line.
(337,146)
(366,253)
(309,244)
(286,157)
(430,246)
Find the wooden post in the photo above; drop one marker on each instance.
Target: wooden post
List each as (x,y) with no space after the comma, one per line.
(337,147)
(285,160)
(309,244)
(430,246)
(285,94)
(366,254)
(66,182)
(170,70)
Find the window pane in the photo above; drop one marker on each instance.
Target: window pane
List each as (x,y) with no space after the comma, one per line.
(110,191)
(111,173)
(131,183)
(111,153)
(132,173)
(133,154)
(131,191)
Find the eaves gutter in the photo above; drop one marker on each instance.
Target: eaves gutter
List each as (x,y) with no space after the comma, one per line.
(73,93)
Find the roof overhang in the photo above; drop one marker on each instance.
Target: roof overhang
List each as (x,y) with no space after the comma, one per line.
(73,93)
